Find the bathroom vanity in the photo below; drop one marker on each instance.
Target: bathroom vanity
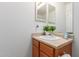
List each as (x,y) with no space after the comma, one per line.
(50,48)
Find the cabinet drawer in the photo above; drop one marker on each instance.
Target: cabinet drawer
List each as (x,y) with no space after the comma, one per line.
(46,49)
(36,43)
(42,54)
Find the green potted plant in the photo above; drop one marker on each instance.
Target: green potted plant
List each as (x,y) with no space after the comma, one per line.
(47,29)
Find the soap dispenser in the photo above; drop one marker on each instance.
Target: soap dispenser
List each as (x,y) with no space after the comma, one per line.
(65,35)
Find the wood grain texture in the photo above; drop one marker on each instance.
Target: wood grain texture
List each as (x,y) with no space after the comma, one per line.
(43,54)
(35,51)
(35,48)
(46,49)
(66,49)
(35,42)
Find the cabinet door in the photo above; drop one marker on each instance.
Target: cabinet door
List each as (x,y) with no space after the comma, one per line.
(42,54)
(47,49)
(35,51)
(35,43)
(66,49)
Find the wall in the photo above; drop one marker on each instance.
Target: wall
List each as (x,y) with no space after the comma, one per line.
(76,29)
(60,17)
(40,28)
(16,22)
(69,19)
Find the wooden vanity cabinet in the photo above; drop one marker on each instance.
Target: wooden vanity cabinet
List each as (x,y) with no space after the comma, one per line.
(40,49)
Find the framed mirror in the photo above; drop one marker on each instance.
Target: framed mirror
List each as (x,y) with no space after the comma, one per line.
(45,12)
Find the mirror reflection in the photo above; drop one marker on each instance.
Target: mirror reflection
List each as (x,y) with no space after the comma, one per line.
(51,14)
(41,13)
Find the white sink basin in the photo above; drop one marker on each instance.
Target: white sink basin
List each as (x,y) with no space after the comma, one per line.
(48,37)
